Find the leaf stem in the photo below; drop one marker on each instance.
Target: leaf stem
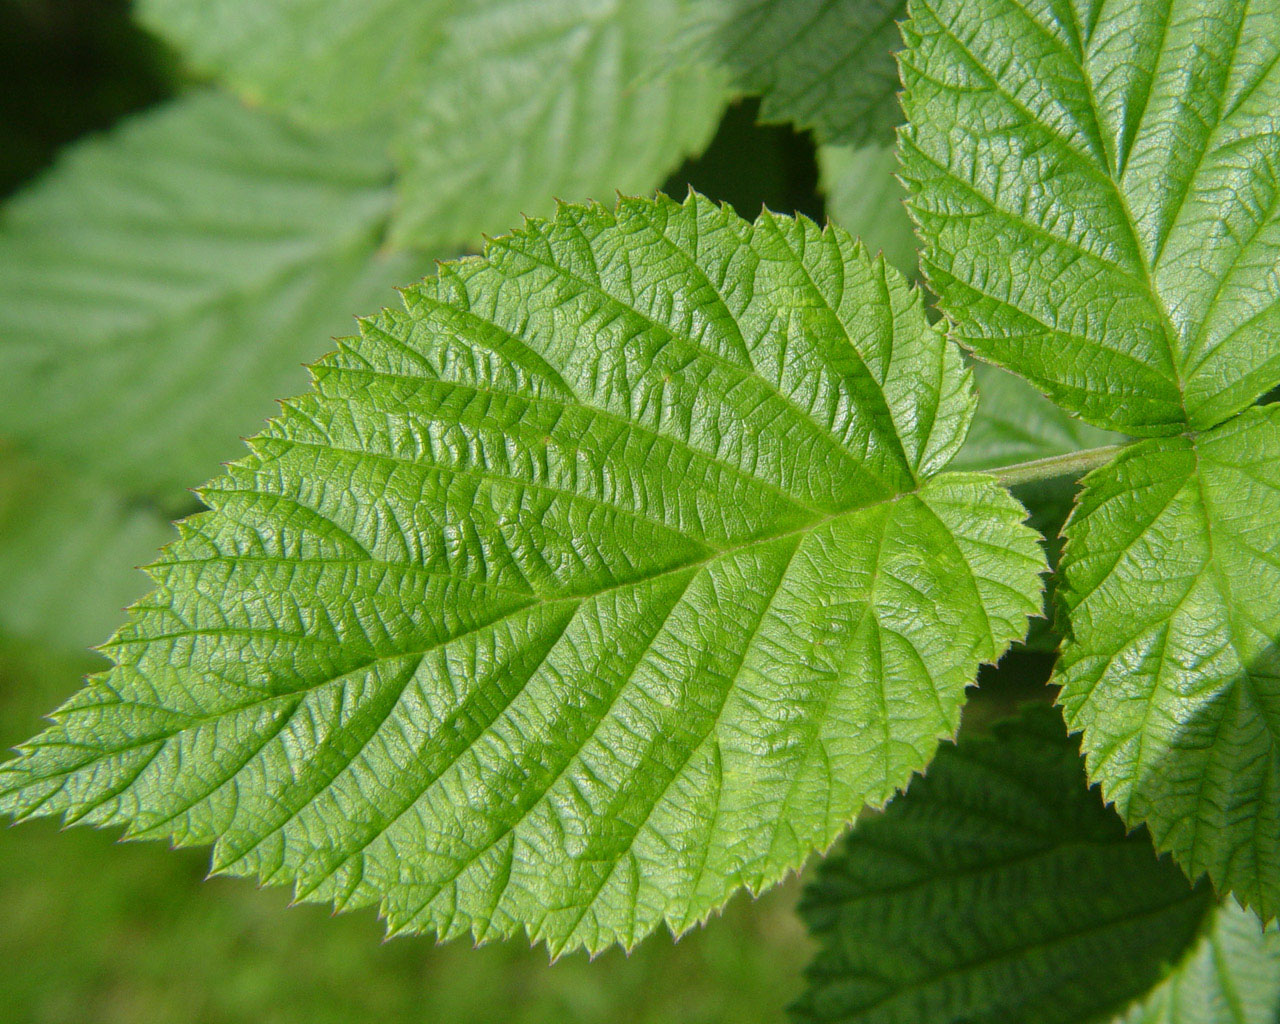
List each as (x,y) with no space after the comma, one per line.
(1070,464)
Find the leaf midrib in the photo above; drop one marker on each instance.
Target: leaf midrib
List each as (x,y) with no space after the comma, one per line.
(695,566)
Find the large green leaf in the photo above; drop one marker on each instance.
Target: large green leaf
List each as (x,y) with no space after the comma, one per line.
(160,287)
(997,889)
(865,198)
(1231,976)
(528,101)
(821,64)
(496,106)
(615,572)
(1170,577)
(1098,189)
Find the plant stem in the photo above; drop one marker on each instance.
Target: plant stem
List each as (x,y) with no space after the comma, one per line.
(1070,464)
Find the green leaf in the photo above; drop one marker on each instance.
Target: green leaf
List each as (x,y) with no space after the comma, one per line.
(865,198)
(1098,193)
(529,101)
(821,64)
(615,572)
(325,61)
(494,106)
(998,889)
(1015,423)
(1231,976)
(159,288)
(1170,577)
(66,551)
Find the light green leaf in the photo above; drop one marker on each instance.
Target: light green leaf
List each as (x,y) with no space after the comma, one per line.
(821,64)
(998,889)
(494,106)
(1170,577)
(160,287)
(1231,976)
(1097,187)
(614,573)
(67,549)
(530,101)
(865,198)
(327,62)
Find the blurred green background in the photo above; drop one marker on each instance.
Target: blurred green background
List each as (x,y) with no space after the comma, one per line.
(92,930)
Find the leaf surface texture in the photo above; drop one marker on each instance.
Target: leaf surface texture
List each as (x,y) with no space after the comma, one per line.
(998,888)
(825,65)
(1097,186)
(1169,579)
(616,571)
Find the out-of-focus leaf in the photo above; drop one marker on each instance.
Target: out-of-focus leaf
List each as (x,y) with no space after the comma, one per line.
(159,289)
(865,198)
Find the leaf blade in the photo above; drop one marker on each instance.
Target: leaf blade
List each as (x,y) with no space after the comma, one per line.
(174,271)
(633,512)
(492,107)
(1231,974)
(821,66)
(1110,236)
(999,887)
(1173,691)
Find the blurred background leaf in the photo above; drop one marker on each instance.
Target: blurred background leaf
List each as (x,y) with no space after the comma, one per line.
(494,107)
(162,285)
(68,67)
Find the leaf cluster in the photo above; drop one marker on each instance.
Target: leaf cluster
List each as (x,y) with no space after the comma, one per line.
(628,560)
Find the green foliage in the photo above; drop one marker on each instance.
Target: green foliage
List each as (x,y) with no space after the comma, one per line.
(1041,908)
(626,563)
(284,52)
(67,553)
(494,107)
(1109,229)
(665,611)
(551,105)
(1015,424)
(67,67)
(1231,976)
(159,288)
(1097,191)
(865,198)
(821,64)
(1170,582)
